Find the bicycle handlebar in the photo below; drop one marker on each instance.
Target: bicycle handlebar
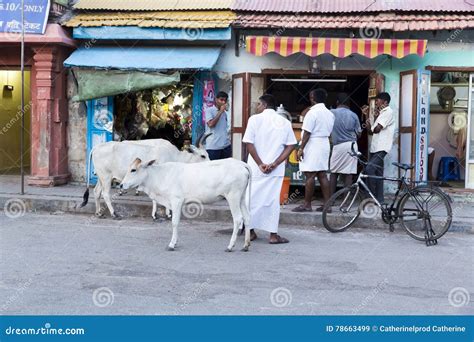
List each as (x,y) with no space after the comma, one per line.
(356,154)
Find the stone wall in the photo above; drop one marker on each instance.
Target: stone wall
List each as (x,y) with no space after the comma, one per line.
(76,134)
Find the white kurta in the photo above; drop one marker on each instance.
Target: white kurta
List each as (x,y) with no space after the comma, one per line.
(319,122)
(270,134)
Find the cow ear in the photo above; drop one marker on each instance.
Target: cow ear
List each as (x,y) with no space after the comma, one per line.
(151,162)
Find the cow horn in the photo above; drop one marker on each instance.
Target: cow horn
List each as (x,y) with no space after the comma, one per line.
(202,139)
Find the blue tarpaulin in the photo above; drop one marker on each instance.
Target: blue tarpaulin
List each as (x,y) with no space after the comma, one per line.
(145,58)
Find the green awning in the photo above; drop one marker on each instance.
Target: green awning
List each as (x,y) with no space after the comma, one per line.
(94,83)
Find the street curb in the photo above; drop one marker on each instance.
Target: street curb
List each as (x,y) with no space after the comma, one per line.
(139,208)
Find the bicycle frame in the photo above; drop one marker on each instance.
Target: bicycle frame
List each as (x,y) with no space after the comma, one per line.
(403,188)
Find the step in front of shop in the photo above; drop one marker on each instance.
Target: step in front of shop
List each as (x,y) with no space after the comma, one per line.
(142,208)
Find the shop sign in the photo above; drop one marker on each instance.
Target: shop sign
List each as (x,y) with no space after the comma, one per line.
(35,11)
(421,167)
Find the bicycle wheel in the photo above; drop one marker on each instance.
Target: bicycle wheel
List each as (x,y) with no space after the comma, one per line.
(345,209)
(425,208)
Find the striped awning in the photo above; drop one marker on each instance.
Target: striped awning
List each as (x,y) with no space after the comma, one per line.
(339,47)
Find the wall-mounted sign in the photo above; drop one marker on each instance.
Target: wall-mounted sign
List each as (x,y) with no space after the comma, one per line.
(422,127)
(36,16)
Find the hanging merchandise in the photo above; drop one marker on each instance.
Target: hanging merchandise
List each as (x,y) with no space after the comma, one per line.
(208,98)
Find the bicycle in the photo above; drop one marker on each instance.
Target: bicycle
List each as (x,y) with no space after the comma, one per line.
(414,207)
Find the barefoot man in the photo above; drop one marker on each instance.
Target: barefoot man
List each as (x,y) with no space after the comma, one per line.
(315,149)
(270,140)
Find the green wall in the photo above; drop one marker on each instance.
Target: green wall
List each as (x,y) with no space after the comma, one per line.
(10,121)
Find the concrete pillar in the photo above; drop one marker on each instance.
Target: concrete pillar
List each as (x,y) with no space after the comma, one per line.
(49,165)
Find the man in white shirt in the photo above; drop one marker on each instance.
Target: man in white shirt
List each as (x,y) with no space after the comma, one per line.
(382,131)
(270,140)
(314,150)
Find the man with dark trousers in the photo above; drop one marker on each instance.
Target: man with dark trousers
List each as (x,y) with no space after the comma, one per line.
(382,130)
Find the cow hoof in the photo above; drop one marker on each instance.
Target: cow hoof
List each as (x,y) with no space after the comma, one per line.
(171,249)
(245,249)
(100,215)
(116,217)
(228,249)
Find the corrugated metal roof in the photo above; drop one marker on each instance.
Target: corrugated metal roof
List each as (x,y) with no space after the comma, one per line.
(382,21)
(152,5)
(186,19)
(348,6)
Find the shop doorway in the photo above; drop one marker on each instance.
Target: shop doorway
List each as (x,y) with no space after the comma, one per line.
(292,92)
(10,122)
(435,107)
(449,106)
(161,113)
(291,89)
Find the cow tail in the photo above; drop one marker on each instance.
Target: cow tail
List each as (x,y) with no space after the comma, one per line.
(249,185)
(85,197)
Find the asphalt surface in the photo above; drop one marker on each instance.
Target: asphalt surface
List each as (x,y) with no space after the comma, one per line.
(76,264)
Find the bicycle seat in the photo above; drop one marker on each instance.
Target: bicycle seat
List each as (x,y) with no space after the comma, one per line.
(404,166)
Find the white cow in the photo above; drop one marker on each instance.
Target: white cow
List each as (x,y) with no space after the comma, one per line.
(178,184)
(112,160)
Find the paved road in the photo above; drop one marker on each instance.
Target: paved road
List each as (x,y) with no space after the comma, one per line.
(66,264)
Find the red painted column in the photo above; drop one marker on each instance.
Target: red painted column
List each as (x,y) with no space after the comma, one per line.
(49,114)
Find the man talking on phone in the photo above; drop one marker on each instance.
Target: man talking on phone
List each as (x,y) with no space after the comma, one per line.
(382,130)
(218,144)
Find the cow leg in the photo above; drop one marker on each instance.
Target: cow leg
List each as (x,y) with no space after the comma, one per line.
(176,207)
(246,215)
(153,212)
(155,209)
(107,186)
(234,204)
(97,193)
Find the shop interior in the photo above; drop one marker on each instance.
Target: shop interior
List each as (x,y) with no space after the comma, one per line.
(164,112)
(10,122)
(292,91)
(448,127)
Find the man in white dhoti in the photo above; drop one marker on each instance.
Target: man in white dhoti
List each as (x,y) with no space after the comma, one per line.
(345,132)
(314,150)
(270,140)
